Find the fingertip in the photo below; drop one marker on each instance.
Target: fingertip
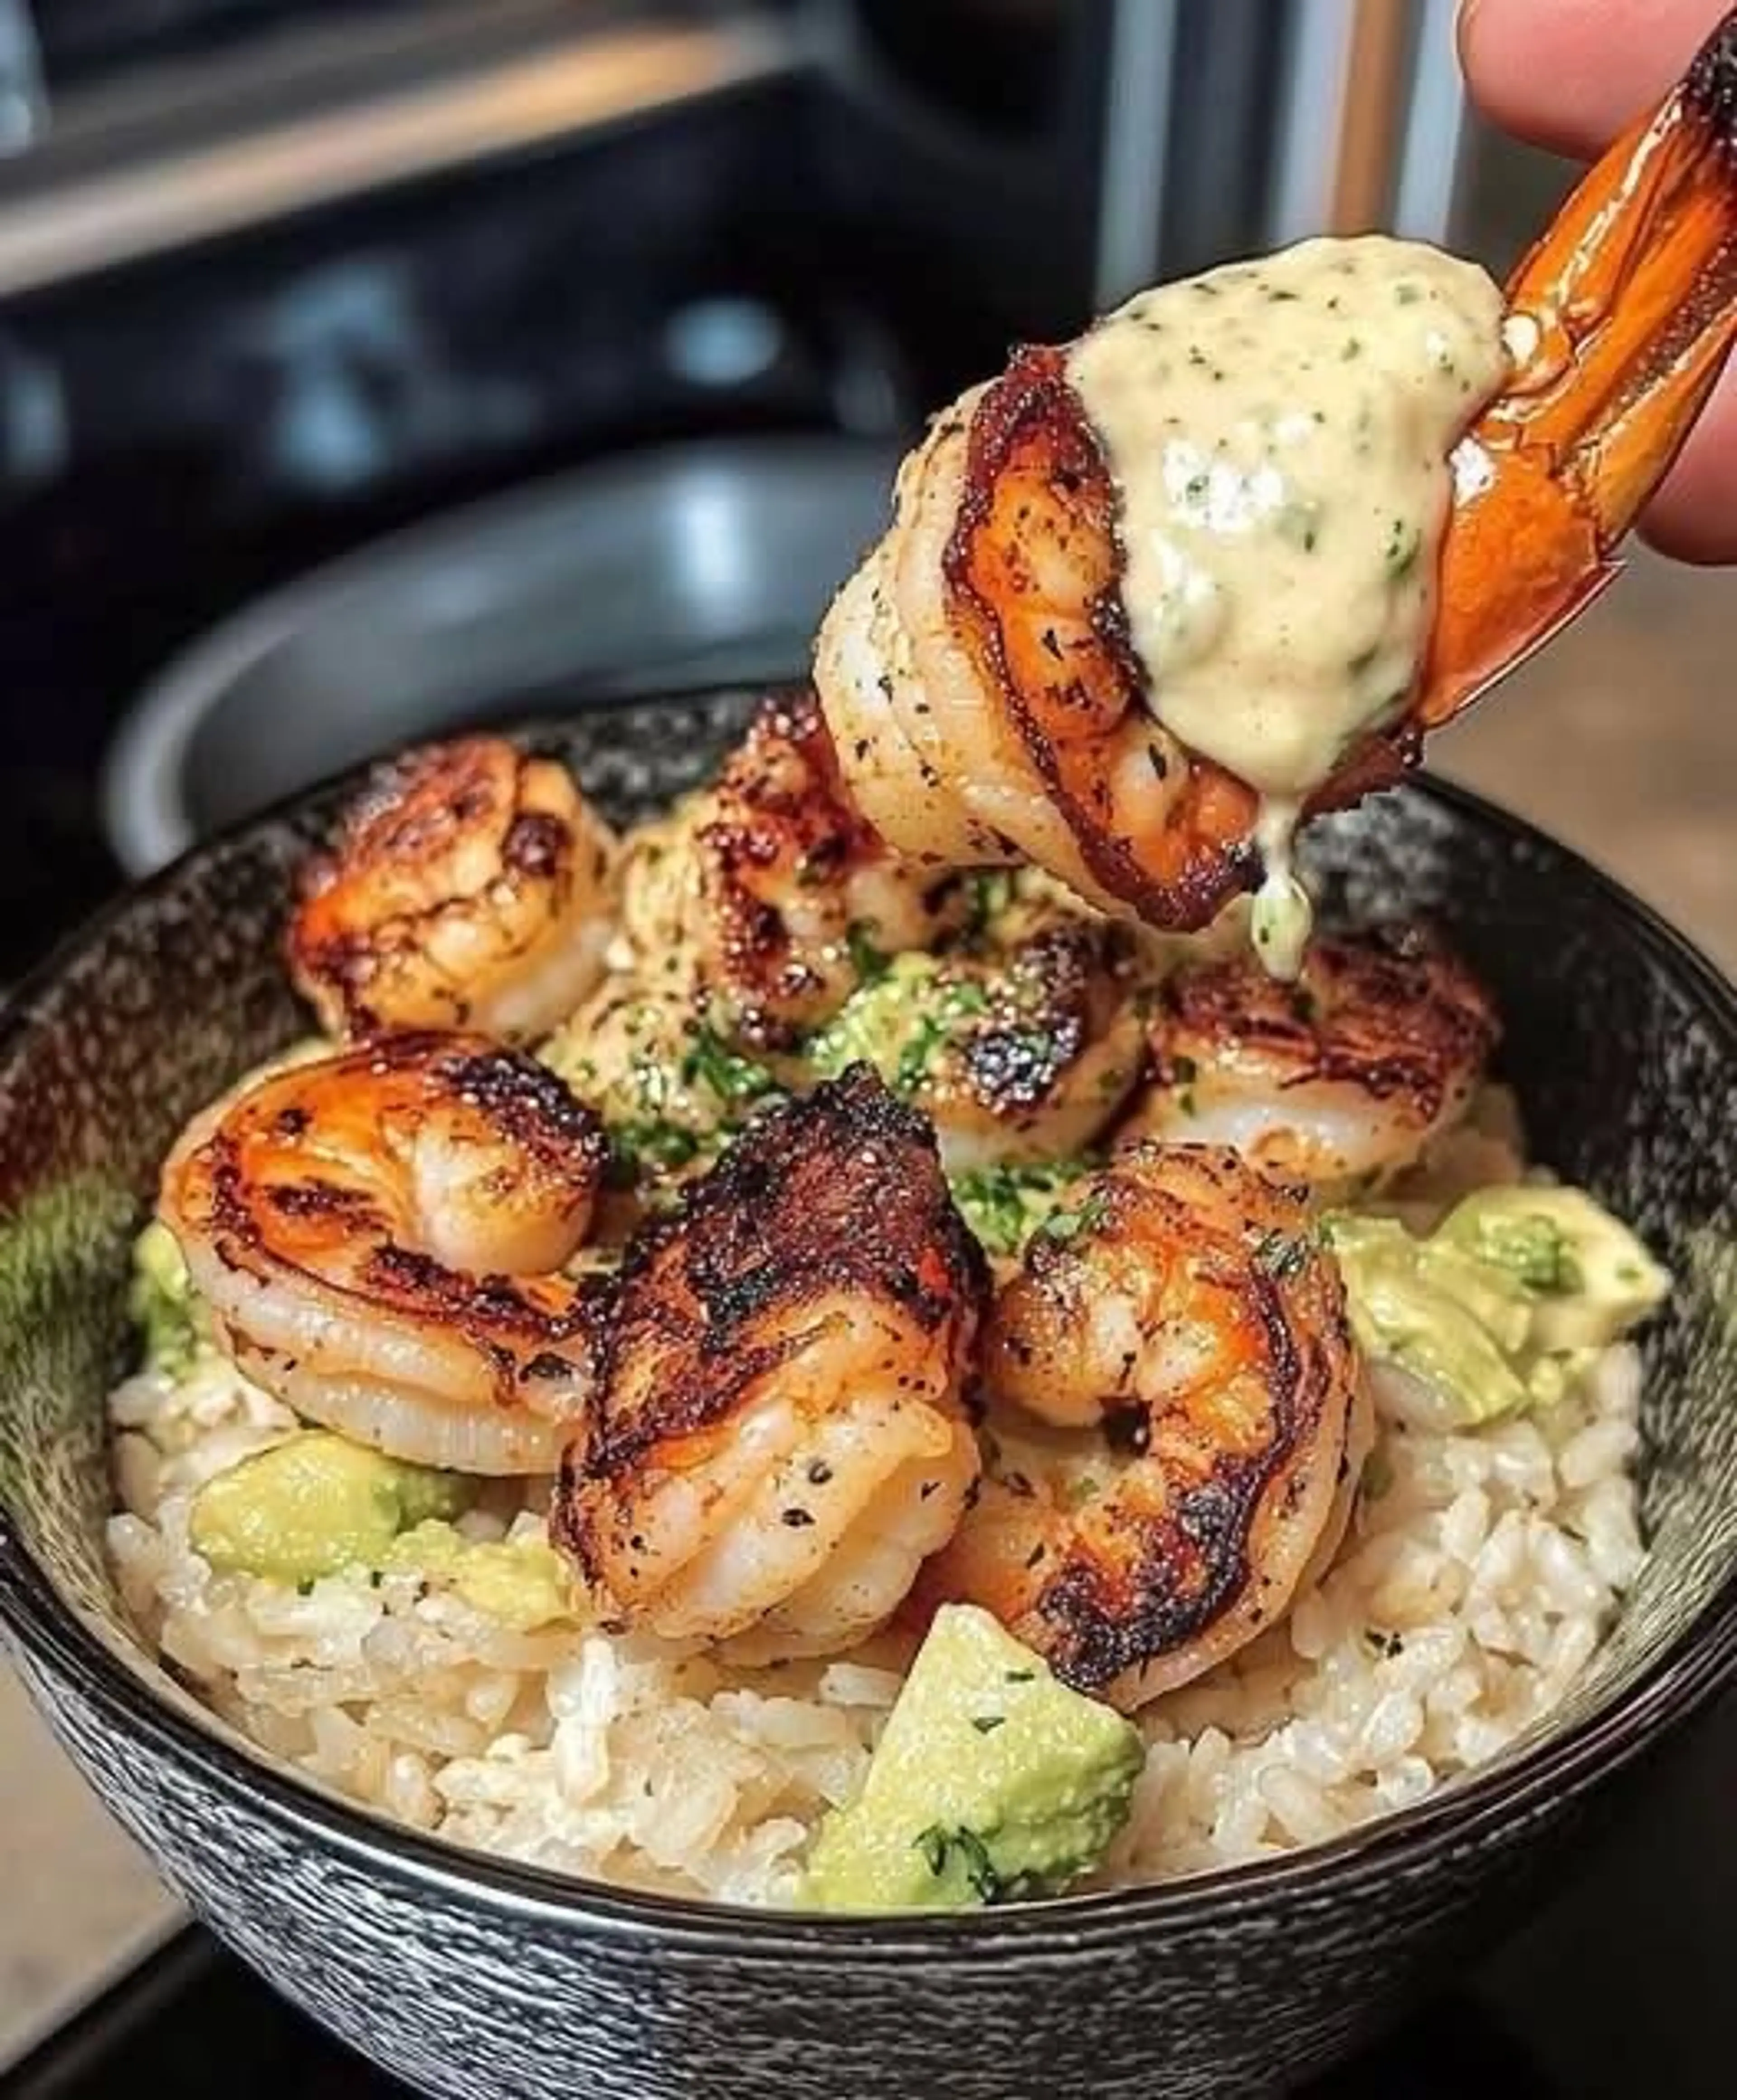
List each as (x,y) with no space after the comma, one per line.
(1569,74)
(1694,517)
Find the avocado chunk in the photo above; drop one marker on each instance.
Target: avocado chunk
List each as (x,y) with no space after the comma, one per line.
(1589,1277)
(316,1505)
(523,1582)
(163,1304)
(992,1779)
(1504,1305)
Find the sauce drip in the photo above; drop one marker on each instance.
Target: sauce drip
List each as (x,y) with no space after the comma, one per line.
(1278,432)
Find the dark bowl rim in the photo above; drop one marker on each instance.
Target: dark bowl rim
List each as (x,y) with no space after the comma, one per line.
(1532,1785)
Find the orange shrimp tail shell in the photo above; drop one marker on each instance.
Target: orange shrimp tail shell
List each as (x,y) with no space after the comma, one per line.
(1622,317)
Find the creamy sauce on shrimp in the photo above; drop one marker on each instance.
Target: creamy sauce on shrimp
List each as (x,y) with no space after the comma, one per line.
(1278,433)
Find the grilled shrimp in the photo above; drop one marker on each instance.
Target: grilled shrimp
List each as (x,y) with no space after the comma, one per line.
(1344,1076)
(1020,1041)
(779,1438)
(768,887)
(671,1090)
(471,888)
(376,1232)
(997,690)
(1184,1325)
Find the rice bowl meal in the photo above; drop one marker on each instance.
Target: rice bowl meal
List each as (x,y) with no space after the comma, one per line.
(1481,1566)
(913,1333)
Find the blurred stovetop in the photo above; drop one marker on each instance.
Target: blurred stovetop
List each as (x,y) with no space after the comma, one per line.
(171,448)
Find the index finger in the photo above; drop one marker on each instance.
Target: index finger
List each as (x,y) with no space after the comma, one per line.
(1571,74)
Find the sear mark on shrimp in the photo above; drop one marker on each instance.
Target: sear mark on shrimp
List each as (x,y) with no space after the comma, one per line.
(771,887)
(1342,1078)
(1183,1309)
(376,1232)
(1020,1040)
(779,1437)
(1032,579)
(471,886)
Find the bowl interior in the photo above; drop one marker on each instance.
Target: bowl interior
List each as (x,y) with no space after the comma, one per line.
(1622,1044)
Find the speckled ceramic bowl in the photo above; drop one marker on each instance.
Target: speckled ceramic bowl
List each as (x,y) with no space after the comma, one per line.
(474,1978)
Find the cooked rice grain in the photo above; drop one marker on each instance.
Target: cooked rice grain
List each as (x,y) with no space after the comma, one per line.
(1470,1594)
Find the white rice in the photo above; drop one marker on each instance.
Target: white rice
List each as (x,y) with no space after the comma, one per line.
(1471,1591)
(1479,1573)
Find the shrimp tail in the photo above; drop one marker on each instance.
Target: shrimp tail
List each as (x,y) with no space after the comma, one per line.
(1621,318)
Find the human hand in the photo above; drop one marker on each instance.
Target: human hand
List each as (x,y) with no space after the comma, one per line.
(1571,74)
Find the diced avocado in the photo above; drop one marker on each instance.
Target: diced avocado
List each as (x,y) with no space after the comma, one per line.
(315,1505)
(1504,1305)
(523,1582)
(162,1303)
(1593,1278)
(992,1779)
(1458,1323)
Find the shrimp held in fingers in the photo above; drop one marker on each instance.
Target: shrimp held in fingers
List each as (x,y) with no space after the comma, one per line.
(780,1439)
(377,1234)
(1151,598)
(1184,1313)
(1341,1079)
(471,888)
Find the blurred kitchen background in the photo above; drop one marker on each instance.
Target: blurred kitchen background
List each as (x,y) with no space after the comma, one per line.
(667,287)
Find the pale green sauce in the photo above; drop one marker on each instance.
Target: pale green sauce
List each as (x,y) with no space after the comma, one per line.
(1279,431)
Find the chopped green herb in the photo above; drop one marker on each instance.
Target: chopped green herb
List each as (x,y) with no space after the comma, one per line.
(914,1059)
(1404,544)
(1003,1206)
(711,1061)
(1020,1676)
(1533,1247)
(869,961)
(986,1724)
(936,1843)
(1069,1224)
(636,1146)
(990,895)
(1281,1255)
